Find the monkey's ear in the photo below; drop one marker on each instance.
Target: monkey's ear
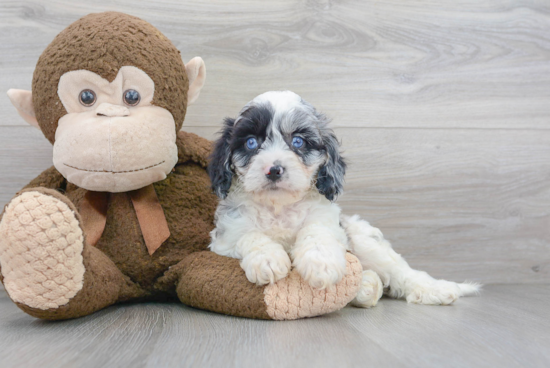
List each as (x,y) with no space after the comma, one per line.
(196,73)
(22,100)
(219,167)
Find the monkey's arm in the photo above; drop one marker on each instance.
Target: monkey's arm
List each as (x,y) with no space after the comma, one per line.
(49,178)
(217,283)
(191,147)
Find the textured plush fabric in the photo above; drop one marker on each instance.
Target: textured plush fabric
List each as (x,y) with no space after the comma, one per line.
(104,285)
(192,149)
(292,298)
(41,250)
(152,222)
(212,282)
(103,43)
(216,283)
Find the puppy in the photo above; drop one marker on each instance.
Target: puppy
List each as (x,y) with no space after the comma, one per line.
(277,168)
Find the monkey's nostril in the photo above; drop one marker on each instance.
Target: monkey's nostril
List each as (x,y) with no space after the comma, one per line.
(275,173)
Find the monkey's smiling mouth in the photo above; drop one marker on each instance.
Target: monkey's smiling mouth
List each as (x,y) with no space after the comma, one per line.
(115,172)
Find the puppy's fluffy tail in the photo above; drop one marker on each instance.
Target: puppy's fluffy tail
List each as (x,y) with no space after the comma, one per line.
(469,288)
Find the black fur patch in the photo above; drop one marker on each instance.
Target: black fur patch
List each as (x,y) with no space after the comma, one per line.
(219,165)
(254,122)
(330,179)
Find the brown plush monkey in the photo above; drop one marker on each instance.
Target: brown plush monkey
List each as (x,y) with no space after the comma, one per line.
(126,211)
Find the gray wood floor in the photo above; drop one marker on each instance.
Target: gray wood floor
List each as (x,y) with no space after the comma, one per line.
(509,326)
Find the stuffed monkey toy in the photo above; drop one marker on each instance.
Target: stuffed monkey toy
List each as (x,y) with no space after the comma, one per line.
(125,212)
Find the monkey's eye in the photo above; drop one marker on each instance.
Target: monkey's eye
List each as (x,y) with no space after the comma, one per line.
(297,142)
(131,97)
(251,143)
(87,97)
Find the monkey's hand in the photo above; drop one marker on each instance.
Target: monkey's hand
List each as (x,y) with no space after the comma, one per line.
(49,178)
(217,283)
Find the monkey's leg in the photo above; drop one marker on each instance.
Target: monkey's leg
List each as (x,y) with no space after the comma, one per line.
(376,254)
(47,268)
(216,283)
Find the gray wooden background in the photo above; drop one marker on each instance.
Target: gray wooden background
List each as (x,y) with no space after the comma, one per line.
(443,109)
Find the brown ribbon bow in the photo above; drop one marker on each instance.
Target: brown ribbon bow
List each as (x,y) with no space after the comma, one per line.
(150,215)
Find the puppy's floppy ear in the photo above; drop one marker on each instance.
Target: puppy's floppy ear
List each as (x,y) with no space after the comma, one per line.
(330,179)
(219,166)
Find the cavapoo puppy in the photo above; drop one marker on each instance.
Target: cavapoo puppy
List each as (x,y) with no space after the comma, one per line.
(277,169)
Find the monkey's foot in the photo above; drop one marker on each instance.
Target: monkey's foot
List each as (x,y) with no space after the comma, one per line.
(41,245)
(292,297)
(370,292)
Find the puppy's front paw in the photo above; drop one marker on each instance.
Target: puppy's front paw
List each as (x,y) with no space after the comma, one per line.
(321,268)
(263,267)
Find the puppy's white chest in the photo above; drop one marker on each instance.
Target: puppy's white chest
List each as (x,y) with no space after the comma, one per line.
(283,227)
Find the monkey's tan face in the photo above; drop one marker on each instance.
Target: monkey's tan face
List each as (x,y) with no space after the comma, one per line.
(112,138)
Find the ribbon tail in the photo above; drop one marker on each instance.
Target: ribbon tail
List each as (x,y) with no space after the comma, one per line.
(151,218)
(93,211)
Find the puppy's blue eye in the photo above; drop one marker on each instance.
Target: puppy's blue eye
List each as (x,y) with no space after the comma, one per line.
(297,142)
(251,143)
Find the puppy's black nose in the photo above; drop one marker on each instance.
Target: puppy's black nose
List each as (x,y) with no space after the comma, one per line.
(275,173)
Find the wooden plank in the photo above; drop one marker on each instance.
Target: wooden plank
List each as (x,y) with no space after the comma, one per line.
(172,335)
(506,327)
(460,64)
(502,328)
(460,204)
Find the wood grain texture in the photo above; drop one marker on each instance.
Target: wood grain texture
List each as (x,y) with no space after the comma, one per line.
(507,327)
(442,109)
(367,63)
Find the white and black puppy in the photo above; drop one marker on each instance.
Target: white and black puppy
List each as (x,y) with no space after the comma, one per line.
(277,169)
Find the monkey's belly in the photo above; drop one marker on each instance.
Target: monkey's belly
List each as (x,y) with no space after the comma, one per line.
(188,205)
(123,243)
